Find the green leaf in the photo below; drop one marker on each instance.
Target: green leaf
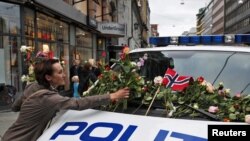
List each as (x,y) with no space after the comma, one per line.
(232,109)
(148,98)
(160,95)
(114,60)
(248,109)
(126,69)
(232,116)
(180,101)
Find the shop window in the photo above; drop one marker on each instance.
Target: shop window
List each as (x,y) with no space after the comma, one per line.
(9,58)
(50,29)
(84,44)
(29,28)
(9,18)
(29,23)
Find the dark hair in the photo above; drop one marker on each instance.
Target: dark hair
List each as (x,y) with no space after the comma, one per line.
(44,67)
(87,66)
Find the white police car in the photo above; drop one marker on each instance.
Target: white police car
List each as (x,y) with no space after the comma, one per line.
(229,64)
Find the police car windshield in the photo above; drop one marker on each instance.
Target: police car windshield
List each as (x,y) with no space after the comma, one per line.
(231,68)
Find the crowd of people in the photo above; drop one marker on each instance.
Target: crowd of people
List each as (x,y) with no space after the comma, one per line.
(81,74)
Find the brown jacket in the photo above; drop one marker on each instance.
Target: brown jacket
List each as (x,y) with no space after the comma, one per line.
(38,105)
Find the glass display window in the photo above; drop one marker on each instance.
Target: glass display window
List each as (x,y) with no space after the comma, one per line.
(85,53)
(48,49)
(29,28)
(9,18)
(101,43)
(9,60)
(50,29)
(63,56)
(84,46)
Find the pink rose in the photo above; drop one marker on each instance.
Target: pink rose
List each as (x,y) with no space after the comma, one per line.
(213,109)
(238,95)
(141,61)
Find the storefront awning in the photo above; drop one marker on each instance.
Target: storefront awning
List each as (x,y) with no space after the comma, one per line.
(64,9)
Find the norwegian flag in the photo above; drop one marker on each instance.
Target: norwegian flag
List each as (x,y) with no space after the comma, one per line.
(175,81)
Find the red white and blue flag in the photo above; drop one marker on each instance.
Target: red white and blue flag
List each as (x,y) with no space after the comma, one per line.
(174,81)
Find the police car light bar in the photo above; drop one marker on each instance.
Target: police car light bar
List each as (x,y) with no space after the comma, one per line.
(204,40)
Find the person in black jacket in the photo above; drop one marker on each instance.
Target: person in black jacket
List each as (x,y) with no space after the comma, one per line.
(85,75)
(95,69)
(74,71)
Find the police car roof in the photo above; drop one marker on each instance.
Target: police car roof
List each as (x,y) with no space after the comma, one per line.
(195,48)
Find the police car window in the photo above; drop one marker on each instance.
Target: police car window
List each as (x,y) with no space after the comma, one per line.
(154,65)
(215,67)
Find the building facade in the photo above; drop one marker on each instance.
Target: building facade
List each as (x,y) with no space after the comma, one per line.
(208,19)
(71,29)
(228,17)
(200,21)
(237,17)
(218,17)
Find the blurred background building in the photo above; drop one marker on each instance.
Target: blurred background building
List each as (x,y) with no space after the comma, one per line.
(224,17)
(70,28)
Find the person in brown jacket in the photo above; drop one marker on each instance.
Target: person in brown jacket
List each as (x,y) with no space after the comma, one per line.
(41,100)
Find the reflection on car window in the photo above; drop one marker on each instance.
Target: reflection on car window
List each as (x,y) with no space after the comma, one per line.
(155,65)
(228,67)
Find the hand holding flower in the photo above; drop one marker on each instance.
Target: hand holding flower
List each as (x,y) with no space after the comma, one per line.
(120,94)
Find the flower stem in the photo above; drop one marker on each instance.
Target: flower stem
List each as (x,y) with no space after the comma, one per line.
(125,104)
(149,107)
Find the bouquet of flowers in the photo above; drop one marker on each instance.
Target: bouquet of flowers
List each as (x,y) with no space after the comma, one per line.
(198,99)
(30,58)
(125,76)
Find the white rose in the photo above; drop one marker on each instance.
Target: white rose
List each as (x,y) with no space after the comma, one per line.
(63,62)
(247,119)
(133,64)
(45,48)
(23,48)
(31,69)
(158,80)
(23,78)
(227,91)
(210,87)
(221,84)
(134,70)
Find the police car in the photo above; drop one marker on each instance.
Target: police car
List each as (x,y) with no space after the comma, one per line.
(226,62)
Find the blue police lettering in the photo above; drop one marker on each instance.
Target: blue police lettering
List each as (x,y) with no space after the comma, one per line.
(63,131)
(116,129)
